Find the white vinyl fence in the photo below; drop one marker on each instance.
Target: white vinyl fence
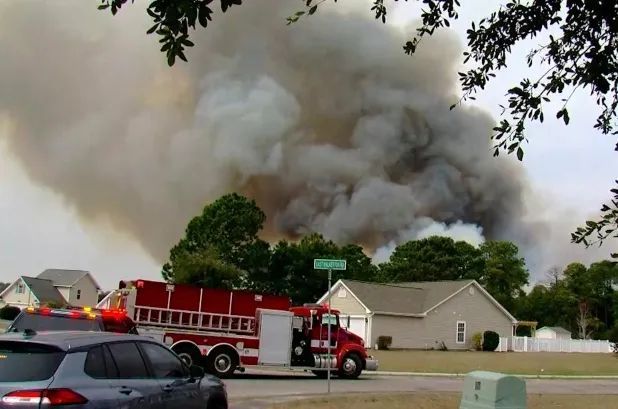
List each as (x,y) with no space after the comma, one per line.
(525,344)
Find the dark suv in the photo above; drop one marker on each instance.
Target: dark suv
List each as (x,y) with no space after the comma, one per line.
(100,370)
(72,319)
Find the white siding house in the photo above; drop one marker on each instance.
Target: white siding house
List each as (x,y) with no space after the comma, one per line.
(27,291)
(75,287)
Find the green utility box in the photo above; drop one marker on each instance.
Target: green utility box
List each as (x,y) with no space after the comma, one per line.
(490,390)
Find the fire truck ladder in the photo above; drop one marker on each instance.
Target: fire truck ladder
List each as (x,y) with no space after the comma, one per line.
(193,320)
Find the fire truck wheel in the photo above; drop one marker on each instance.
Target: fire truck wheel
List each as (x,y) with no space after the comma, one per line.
(222,362)
(351,367)
(188,353)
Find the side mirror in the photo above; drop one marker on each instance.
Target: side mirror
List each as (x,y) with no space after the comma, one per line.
(196,372)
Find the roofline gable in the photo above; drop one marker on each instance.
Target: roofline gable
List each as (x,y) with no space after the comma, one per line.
(484,292)
(21,278)
(447,298)
(9,287)
(96,285)
(341,283)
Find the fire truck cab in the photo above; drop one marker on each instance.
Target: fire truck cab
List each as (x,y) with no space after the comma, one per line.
(228,330)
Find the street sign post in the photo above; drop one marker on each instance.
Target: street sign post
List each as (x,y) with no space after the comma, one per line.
(330,265)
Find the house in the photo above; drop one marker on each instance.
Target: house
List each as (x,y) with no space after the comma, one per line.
(419,315)
(75,287)
(27,291)
(553,333)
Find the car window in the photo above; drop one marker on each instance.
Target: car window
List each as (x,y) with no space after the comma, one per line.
(164,363)
(95,363)
(110,365)
(128,360)
(28,362)
(38,322)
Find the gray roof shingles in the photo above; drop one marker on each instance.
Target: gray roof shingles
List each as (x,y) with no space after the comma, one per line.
(43,290)
(63,278)
(404,298)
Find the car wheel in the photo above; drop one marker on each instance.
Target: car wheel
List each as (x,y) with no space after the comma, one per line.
(217,402)
(351,367)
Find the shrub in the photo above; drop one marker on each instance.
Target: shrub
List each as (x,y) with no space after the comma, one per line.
(477,341)
(491,340)
(384,342)
(9,312)
(54,304)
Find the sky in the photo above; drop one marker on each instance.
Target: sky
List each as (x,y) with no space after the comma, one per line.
(570,168)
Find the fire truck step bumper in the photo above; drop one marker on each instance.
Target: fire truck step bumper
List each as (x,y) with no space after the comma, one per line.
(371,364)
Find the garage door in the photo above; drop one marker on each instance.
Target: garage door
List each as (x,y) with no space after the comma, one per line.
(356,325)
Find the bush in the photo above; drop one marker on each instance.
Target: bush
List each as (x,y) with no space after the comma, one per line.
(54,304)
(477,341)
(9,312)
(491,340)
(384,342)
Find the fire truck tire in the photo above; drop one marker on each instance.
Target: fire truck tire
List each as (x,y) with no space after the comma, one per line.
(188,353)
(351,367)
(222,362)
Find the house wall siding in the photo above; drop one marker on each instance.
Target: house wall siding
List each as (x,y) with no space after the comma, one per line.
(440,324)
(65,292)
(347,305)
(89,294)
(11,297)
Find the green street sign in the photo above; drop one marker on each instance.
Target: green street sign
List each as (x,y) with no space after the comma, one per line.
(326,264)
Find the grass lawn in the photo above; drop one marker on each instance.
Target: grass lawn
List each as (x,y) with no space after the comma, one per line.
(446,401)
(533,363)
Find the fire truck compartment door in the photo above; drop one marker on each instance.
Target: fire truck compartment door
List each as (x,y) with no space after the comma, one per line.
(275,338)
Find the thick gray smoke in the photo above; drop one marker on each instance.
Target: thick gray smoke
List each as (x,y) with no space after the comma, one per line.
(326,123)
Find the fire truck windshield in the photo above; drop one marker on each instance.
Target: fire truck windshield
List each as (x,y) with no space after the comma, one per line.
(334,320)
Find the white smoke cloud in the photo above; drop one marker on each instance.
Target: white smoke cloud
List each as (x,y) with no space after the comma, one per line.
(424,228)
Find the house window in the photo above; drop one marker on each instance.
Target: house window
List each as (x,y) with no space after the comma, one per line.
(342,293)
(461,332)
(20,288)
(79,294)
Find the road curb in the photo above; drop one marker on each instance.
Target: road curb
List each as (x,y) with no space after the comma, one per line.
(525,376)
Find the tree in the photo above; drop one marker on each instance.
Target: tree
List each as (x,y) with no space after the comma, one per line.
(227,228)
(554,274)
(578,282)
(505,272)
(579,55)
(206,268)
(431,259)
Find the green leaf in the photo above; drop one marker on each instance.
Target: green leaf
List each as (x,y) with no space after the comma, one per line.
(520,154)
(152,29)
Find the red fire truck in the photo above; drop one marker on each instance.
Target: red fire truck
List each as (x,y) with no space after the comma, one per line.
(229,330)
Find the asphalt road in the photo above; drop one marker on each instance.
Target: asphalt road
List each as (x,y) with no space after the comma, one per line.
(258,390)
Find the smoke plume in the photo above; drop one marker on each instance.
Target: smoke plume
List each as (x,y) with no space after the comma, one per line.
(326,123)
